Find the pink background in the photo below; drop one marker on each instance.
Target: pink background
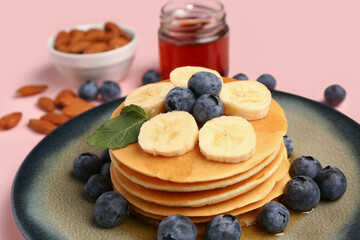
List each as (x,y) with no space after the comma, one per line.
(307,45)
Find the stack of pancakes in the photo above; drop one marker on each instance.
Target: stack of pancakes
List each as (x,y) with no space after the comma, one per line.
(191,185)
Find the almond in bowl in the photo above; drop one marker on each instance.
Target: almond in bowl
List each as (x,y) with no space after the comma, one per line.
(93,51)
(94,40)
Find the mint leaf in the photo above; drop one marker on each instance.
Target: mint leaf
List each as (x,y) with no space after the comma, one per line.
(120,131)
(133,108)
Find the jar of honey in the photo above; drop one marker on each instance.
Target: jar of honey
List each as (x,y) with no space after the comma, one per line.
(193,33)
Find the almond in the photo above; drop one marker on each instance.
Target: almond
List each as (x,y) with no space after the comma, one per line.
(117,42)
(55,118)
(46,104)
(62,38)
(97,47)
(30,90)
(9,121)
(41,126)
(78,47)
(112,27)
(76,35)
(110,35)
(62,94)
(94,35)
(77,108)
(66,101)
(62,48)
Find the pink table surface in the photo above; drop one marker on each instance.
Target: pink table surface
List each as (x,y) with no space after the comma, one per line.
(307,45)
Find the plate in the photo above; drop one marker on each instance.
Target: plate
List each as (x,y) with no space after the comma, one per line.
(49,203)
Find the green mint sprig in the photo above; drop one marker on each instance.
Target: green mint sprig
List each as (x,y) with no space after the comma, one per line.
(120,131)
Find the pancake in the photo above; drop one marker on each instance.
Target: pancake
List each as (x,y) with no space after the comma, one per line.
(200,198)
(245,220)
(162,185)
(254,195)
(193,166)
(277,191)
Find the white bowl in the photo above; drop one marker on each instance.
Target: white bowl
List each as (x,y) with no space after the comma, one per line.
(108,65)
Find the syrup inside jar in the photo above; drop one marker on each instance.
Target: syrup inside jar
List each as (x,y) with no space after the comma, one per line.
(193,33)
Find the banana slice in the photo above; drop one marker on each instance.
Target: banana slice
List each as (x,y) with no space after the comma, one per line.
(248,99)
(150,97)
(229,139)
(181,75)
(169,134)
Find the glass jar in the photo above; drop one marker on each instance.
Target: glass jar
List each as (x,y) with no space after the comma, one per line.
(193,33)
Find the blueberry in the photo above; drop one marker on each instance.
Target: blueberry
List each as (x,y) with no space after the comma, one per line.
(334,95)
(301,193)
(105,156)
(207,107)
(274,217)
(110,90)
(176,227)
(288,144)
(85,165)
(179,99)
(268,80)
(305,165)
(105,169)
(241,76)
(88,91)
(332,183)
(224,227)
(97,185)
(205,83)
(111,209)
(151,76)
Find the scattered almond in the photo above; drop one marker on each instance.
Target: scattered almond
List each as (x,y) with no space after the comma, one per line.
(63,94)
(46,104)
(41,126)
(66,101)
(30,90)
(55,118)
(97,47)
(9,121)
(77,108)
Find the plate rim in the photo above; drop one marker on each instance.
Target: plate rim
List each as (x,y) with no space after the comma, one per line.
(16,209)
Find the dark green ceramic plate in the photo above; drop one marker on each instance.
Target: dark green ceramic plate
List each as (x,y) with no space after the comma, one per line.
(48,202)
